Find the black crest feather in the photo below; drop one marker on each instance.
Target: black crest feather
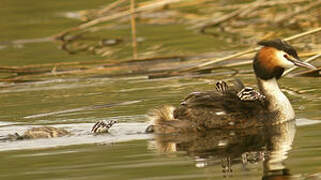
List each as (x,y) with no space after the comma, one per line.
(280,45)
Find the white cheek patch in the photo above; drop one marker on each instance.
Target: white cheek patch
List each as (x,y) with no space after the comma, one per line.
(282,61)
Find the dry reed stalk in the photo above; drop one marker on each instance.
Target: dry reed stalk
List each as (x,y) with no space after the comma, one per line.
(110,7)
(264,4)
(302,34)
(309,73)
(74,67)
(133,28)
(220,60)
(105,62)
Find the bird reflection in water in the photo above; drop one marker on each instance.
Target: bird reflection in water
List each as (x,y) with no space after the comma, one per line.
(228,148)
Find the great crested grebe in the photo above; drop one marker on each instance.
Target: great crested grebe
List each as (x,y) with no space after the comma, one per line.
(237,107)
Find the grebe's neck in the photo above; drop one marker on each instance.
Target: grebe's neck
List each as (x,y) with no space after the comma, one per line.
(278,102)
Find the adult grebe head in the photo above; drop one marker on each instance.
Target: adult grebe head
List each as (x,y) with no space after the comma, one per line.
(275,56)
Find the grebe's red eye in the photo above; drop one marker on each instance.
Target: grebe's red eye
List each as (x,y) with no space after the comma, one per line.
(285,55)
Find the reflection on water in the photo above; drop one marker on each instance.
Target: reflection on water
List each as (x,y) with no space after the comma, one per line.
(229,148)
(279,143)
